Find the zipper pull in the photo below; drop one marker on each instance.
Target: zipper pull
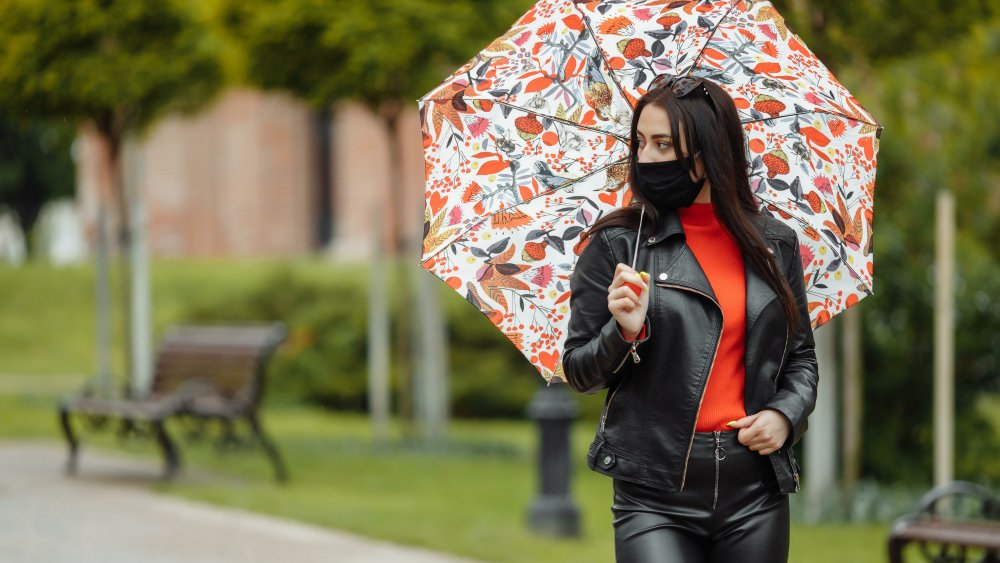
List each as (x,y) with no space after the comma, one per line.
(720,452)
(797,486)
(635,354)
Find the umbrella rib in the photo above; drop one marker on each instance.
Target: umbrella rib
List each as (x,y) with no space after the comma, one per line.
(694,61)
(697,59)
(607,65)
(565,121)
(801,221)
(529,200)
(805,223)
(812,111)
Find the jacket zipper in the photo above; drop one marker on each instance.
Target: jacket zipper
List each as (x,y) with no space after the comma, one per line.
(607,409)
(621,363)
(718,341)
(635,359)
(793,465)
(720,454)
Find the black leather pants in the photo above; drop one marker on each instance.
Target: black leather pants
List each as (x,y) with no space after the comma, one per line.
(730,510)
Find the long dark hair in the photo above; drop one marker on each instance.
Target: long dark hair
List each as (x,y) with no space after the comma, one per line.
(711,127)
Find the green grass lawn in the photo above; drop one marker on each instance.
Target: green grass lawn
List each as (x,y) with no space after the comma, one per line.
(469,498)
(48,316)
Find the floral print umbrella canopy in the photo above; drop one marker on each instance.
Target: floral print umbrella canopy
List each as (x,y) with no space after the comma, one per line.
(526,144)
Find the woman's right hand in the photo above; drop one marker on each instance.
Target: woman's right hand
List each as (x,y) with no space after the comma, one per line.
(628,308)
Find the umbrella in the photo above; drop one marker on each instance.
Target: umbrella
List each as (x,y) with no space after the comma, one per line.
(526,146)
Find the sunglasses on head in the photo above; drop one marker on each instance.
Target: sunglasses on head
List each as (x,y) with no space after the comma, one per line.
(680,85)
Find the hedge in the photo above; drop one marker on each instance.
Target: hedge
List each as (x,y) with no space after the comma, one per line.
(324,360)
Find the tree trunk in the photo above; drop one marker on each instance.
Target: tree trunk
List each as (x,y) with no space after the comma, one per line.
(112,128)
(430,358)
(851,345)
(379,343)
(820,443)
(324,187)
(27,204)
(944,339)
(115,198)
(140,337)
(102,291)
(401,279)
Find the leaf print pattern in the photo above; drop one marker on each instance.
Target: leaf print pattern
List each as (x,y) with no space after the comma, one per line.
(526,145)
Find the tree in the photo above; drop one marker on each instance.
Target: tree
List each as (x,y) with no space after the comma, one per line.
(35,168)
(385,54)
(932,105)
(926,70)
(871,33)
(116,64)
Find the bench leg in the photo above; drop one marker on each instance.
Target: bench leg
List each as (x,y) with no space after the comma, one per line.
(280,473)
(74,445)
(896,549)
(171,457)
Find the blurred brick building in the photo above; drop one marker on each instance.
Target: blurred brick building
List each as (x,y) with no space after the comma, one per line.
(243,179)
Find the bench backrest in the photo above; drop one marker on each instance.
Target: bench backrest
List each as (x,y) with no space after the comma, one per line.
(225,361)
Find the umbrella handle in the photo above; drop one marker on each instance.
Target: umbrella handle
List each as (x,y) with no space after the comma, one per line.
(635,253)
(638,237)
(633,287)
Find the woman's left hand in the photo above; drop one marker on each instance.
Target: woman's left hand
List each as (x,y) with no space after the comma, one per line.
(764,432)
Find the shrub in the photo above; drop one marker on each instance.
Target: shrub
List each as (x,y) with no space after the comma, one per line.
(324,360)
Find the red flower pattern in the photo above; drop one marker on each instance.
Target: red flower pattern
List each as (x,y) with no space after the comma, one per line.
(531,134)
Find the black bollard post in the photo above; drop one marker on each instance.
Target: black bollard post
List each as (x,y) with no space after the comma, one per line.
(553,512)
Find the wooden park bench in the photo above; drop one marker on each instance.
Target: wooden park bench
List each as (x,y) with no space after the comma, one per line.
(202,374)
(955,523)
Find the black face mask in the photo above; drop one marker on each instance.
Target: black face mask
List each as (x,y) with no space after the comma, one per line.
(667,185)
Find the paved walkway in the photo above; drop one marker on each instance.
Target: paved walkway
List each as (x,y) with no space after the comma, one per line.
(107,514)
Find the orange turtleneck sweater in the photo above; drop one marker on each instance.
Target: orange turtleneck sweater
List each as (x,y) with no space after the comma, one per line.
(721,259)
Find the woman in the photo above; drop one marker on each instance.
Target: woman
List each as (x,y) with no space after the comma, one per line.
(708,359)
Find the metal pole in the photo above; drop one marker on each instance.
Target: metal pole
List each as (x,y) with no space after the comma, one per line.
(103,290)
(852,413)
(820,443)
(378,336)
(142,356)
(432,358)
(554,512)
(429,326)
(944,343)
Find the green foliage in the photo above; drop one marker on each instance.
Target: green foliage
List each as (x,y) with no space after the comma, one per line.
(927,71)
(324,360)
(872,32)
(35,167)
(324,357)
(932,105)
(120,62)
(377,52)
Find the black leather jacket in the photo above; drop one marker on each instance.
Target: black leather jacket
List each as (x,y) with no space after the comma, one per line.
(647,426)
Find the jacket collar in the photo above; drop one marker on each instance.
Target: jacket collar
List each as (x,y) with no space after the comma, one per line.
(759,293)
(684,269)
(669,225)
